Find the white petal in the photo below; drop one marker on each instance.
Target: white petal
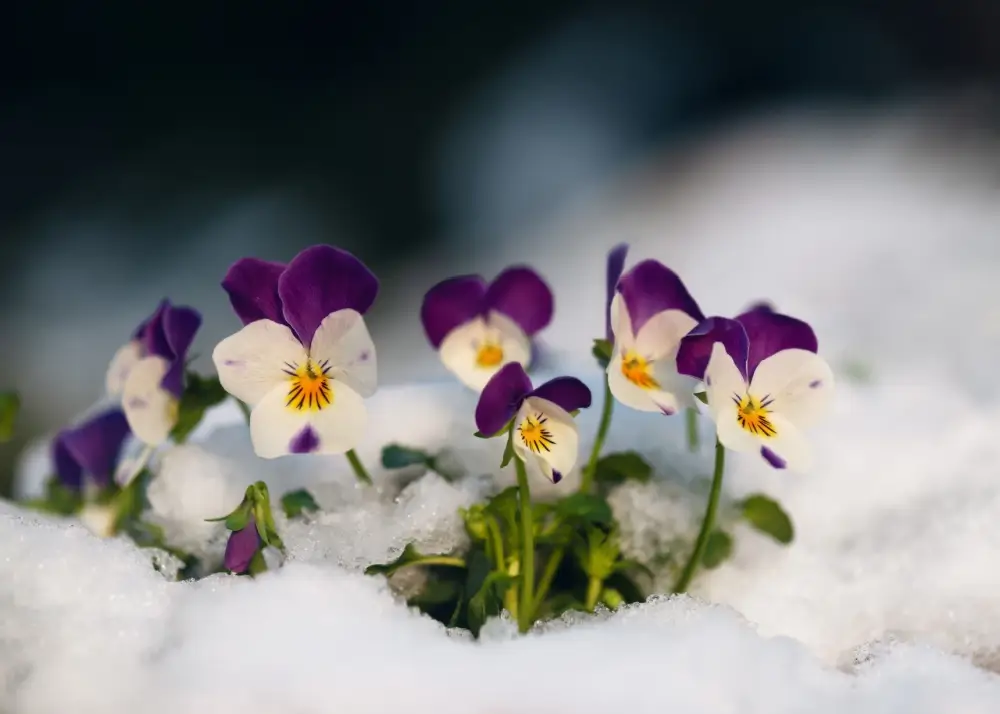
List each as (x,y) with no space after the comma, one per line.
(799,382)
(731,434)
(338,427)
(661,335)
(342,339)
(121,364)
(562,439)
(151,410)
(251,363)
(675,393)
(99,520)
(789,445)
(621,322)
(459,350)
(723,380)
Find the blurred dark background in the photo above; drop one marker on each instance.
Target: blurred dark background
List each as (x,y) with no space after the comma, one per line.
(144,146)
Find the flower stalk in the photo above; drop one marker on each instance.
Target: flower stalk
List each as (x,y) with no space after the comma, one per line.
(587,478)
(706,525)
(691,424)
(525,611)
(358,468)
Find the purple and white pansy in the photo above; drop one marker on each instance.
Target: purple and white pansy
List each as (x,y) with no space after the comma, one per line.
(478,327)
(544,432)
(649,314)
(763,381)
(304,361)
(85,456)
(148,371)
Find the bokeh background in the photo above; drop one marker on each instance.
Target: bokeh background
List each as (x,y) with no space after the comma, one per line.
(146,146)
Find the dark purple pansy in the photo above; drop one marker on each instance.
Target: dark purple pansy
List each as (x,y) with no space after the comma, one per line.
(317,282)
(616,264)
(241,547)
(90,450)
(168,333)
(506,391)
(770,332)
(649,288)
(518,292)
(696,347)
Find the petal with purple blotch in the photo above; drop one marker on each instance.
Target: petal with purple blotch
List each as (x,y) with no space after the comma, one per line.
(252,286)
(501,398)
(450,304)
(322,280)
(696,347)
(771,332)
(521,294)
(568,392)
(650,288)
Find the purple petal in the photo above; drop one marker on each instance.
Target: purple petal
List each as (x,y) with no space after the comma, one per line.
(759,306)
(520,294)
(451,303)
(650,288)
(154,338)
(252,285)
(95,444)
(567,392)
(772,458)
(68,471)
(322,280)
(305,442)
(241,548)
(770,332)
(501,398)
(696,347)
(616,264)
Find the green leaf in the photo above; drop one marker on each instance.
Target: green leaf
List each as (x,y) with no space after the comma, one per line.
(257,564)
(395,456)
(508,451)
(487,600)
(718,548)
(295,503)
(626,565)
(200,393)
(766,515)
(584,507)
(475,521)
(602,352)
(10,405)
(701,397)
(612,598)
(57,499)
(411,556)
(622,466)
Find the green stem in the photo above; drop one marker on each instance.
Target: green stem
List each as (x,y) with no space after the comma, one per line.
(496,543)
(593,592)
(359,469)
(692,430)
(448,560)
(547,577)
(527,569)
(706,525)
(587,479)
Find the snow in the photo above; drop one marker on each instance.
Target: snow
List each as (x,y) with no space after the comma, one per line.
(886,601)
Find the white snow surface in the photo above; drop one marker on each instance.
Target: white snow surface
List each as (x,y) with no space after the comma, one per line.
(887,601)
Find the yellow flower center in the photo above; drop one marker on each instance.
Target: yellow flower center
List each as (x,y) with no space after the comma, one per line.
(309,386)
(534,435)
(751,415)
(638,371)
(489,354)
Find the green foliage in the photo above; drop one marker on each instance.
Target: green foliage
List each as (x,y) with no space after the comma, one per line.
(57,499)
(200,393)
(718,548)
(766,515)
(411,556)
(395,456)
(295,503)
(585,509)
(617,468)
(602,352)
(10,405)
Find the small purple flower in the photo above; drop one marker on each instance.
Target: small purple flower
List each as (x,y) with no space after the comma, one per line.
(763,380)
(148,371)
(478,327)
(242,547)
(304,360)
(649,314)
(88,453)
(544,431)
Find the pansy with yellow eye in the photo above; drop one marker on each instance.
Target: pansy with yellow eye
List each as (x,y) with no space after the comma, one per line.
(478,327)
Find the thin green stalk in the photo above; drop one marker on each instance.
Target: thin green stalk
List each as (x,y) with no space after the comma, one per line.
(593,592)
(359,469)
(447,560)
(692,429)
(496,542)
(527,570)
(706,525)
(547,577)
(587,479)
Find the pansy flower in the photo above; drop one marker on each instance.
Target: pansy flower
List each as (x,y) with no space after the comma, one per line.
(545,433)
(764,382)
(85,456)
(148,371)
(650,313)
(304,362)
(478,327)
